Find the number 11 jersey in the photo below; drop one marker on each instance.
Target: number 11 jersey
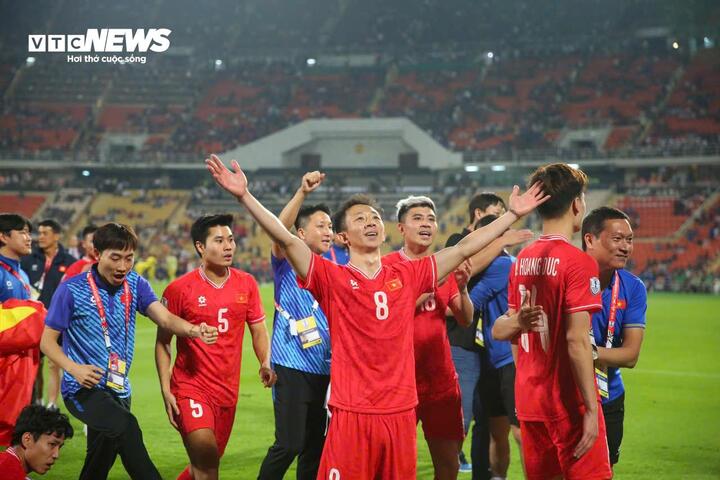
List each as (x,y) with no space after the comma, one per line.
(564,280)
(212,372)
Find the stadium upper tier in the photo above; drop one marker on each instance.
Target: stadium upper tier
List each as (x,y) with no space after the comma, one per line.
(662,102)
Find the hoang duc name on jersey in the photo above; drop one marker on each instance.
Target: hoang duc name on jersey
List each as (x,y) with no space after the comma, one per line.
(537,266)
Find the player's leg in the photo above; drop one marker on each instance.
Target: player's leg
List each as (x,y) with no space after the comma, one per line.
(539,452)
(507,391)
(309,459)
(480,448)
(53,384)
(202,449)
(396,438)
(351,447)
(199,415)
(291,394)
(467,366)
(499,446)
(594,464)
(614,413)
(442,423)
(112,429)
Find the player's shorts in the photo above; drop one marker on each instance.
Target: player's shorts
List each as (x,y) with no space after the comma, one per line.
(498,392)
(367,446)
(442,417)
(614,413)
(548,450)
(197,413)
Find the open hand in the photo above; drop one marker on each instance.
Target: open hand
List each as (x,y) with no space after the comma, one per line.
(514,237)
(171,408)
(523,204)
(529,316)
(234,182)
(590,433)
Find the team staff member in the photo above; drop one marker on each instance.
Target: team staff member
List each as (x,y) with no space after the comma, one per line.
(300,346)
(46,267)
(20,332)
(95,312)
(619,327)
(83,264)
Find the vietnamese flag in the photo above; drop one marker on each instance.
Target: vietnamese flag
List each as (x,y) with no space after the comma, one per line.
(21,326)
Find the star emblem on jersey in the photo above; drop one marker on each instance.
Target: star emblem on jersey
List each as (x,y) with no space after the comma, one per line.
(202,301)
(241,298)
(354,284)
(594,285)
(394,284)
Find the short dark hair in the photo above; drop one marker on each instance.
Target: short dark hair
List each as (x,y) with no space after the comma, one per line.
(306,212)
(38,420)
(485,221)
(115,236)
(482,201)
(49,222)
(404,205)
(88,230)
(12,221)
(357,199)
(201,227)
(594,223)
(563,183)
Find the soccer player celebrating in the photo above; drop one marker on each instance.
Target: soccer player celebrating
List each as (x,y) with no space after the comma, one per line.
(201,390)
(370,309)
(300,347)
(439,405)
(88,259)
(95,312)
(38,436)
(619,327)
(555,288)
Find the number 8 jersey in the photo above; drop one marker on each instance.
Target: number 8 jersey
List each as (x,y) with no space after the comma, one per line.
(371,322)
(564,280)
(212,372)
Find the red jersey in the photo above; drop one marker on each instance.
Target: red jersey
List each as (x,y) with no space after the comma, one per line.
(80,266)
(435,373)
(212,371)
(371,331)
(564,280)
(10,466)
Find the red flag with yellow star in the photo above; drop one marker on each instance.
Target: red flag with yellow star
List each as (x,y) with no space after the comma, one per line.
(21,326)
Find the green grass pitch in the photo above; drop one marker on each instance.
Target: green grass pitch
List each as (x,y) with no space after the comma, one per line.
(672,422)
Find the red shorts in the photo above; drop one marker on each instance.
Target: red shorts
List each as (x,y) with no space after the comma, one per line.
(548,450)
(442,417)
(367,446)
(197,413)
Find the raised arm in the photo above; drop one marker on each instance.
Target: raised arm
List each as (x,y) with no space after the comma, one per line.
(296,251)
(449,258)
(310,182)
(461,306)
(482,259)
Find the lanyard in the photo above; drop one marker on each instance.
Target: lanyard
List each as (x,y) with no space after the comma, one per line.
(286,315)
(101,312)
(16,275)
(613,311)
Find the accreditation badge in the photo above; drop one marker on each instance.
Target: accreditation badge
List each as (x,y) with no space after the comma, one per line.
(601,378)
(479,337)
(116,372)
(308,332)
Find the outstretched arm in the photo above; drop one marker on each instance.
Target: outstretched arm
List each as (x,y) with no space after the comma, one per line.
(296,251)
(449,258)
(482,259)
(310,182)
